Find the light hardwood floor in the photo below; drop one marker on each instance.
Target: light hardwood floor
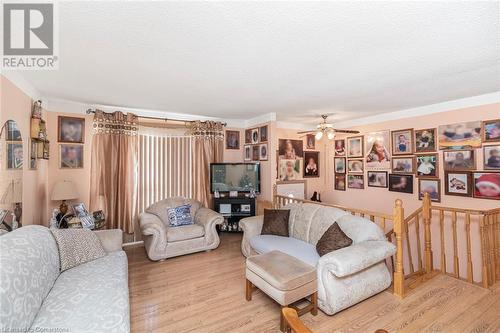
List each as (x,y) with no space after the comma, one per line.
(205,292)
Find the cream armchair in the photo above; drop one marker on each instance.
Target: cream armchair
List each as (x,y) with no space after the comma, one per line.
(162,241)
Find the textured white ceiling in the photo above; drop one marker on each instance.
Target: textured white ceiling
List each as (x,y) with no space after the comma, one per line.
(244,59)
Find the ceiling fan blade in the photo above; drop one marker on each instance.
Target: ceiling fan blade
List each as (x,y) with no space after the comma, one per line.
(346,131)
(305,132)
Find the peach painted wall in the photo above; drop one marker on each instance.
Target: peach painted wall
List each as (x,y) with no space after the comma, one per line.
(16,105)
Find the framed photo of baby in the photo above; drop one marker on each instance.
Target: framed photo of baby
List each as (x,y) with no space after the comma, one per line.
(340,147)
(431,186)
(491,130)
(339,164)
(291,149)
(460,136)
(355,146)
(427,165)
(402,142)
(487,185)
(355,166)
(425,140)
(377,154)
(459,160)
(340,183)
(311,164)
(491,157)
(290,169)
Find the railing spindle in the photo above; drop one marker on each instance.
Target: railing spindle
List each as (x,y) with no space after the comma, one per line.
(426,214)
(483,253)
(470,270)
(455,245)
(398,230)
(419,245)
(491,233)
(441,230)
(408,248)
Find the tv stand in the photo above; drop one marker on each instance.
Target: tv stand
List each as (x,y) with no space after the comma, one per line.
(234,209)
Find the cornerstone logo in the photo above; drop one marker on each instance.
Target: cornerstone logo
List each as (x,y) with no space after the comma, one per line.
(30,36)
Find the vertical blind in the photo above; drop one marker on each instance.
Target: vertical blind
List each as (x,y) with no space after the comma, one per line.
(165,168)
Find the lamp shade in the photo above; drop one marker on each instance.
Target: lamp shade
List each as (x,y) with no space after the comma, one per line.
(64,190)
(14,193)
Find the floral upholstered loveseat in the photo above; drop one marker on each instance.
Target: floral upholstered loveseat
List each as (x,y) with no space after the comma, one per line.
(36,297)
(346,276)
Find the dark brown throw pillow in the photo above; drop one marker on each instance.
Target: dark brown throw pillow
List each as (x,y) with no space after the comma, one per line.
(276,222)
(333,239)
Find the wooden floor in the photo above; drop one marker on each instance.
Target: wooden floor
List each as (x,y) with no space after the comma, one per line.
(204,292)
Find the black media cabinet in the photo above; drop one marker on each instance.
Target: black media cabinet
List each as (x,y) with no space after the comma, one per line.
(234,209)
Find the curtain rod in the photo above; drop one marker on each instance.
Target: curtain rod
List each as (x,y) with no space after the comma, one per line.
(89,111)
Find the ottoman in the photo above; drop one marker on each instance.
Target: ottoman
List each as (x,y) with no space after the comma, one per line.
(285,279)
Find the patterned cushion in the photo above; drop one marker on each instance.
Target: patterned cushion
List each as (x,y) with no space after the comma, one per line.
(77,246)
(29,263)
(180,216)
(333,239)
(276,222)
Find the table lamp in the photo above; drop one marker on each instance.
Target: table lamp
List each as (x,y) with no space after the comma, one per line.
(14,196)
(64,190)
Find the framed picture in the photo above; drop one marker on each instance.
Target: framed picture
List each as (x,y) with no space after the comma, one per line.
(263,152)
(340,183)
(458,183)
(15,156)
(311,164)
(339,147)
(87,222)
(377,179)
(291,169)
(431,186)
(491,130)
(247,153)
(70,156)
(71,129)
(402,142)
(425,140)
(255,135)
(232,139)
(80,210)
(13,132)
(98,215)
(487,185)
(355,146)
(310,141)
(355,166)
(356,181)
(339,164)
(290,149)
(401,183)
(459,160)
(403,164)
(263,133)
(294,188)
(33,154)
(491,157)
(377,148)
(255,153)
(427,165)
(460,136)
(248,136)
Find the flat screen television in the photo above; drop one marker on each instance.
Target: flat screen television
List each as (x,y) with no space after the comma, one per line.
(241,177)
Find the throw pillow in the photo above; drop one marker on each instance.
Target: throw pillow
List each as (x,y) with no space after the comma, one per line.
(77,246)
(333,239)
(276,222)
(179,216)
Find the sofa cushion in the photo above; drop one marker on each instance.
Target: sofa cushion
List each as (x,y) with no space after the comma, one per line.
(160,208)
(179,216)
(333,239)
(276,222)
(29,267)
(281,270)
(185,232)
(360,229)
(291,246)
(92,297)
(77,246)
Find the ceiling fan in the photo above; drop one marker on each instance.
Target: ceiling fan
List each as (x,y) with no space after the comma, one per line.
(327,129)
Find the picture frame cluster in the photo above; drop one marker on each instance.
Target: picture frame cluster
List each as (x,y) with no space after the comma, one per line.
(424,154)
(71,139)
(256,143)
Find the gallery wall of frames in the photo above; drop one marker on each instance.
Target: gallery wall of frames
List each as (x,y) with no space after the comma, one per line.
(392,159)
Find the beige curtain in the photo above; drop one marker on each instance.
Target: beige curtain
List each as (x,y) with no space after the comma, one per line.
(208,146)
(113,181)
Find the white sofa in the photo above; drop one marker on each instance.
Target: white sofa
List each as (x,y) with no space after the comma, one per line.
(346,276)
(36,297)
(161,241)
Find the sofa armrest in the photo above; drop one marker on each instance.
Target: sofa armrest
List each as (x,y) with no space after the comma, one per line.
(111,240)
(209,219)
(151,225)
(354,258)
(251,226)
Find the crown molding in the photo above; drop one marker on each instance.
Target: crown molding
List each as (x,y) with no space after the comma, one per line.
(264,118)
(461,103)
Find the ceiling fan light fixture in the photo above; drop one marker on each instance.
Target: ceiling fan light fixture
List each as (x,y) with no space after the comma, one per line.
(319,135)
(330,135)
